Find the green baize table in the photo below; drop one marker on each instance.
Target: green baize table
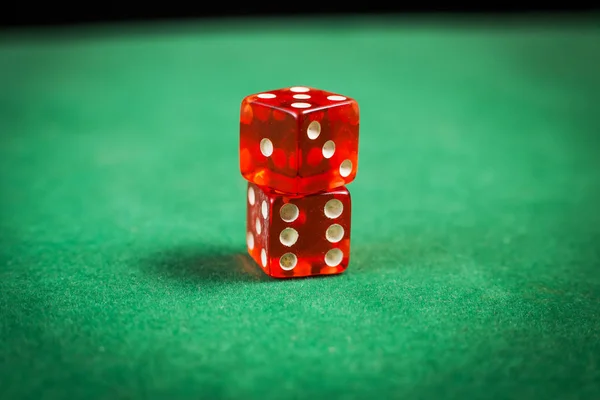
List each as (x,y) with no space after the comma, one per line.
(475,258)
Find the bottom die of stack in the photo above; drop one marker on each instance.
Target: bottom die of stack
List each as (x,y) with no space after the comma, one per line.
(298,236)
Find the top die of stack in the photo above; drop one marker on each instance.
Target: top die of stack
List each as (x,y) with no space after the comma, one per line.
(299,140)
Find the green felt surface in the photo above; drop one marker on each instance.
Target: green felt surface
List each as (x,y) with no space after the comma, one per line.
(475,269)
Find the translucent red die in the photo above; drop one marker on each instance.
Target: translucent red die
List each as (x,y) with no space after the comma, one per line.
(298,236)
(299,140)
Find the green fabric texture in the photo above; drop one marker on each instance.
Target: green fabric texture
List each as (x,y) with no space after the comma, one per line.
(475,260)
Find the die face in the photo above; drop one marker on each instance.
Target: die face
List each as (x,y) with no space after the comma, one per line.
(307,235)
(257,225)
(328,147)
(268,145)
(317,241)
(299,140)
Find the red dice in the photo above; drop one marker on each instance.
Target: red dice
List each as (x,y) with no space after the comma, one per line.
(298,151)
(296,236)
(299,140)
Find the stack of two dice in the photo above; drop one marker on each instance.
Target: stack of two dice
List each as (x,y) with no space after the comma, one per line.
(298,151)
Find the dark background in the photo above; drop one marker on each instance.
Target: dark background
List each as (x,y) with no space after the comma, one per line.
(66,14)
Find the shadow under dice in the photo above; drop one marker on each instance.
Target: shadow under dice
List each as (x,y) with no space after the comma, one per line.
(299,140)
(295,236)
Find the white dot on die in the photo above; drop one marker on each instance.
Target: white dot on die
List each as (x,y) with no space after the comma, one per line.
(267,96)
(288,237)
(301,105)
(250,240)
(266,147)
(265,209)
(251,196)
(336,98)
(334,233)
(301,96)
(328,149)
(314,130)
(345,168)
(299,89)
(263,257)
(334,257)
(288,261)
(333,208)
(258,226)
(289,212)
